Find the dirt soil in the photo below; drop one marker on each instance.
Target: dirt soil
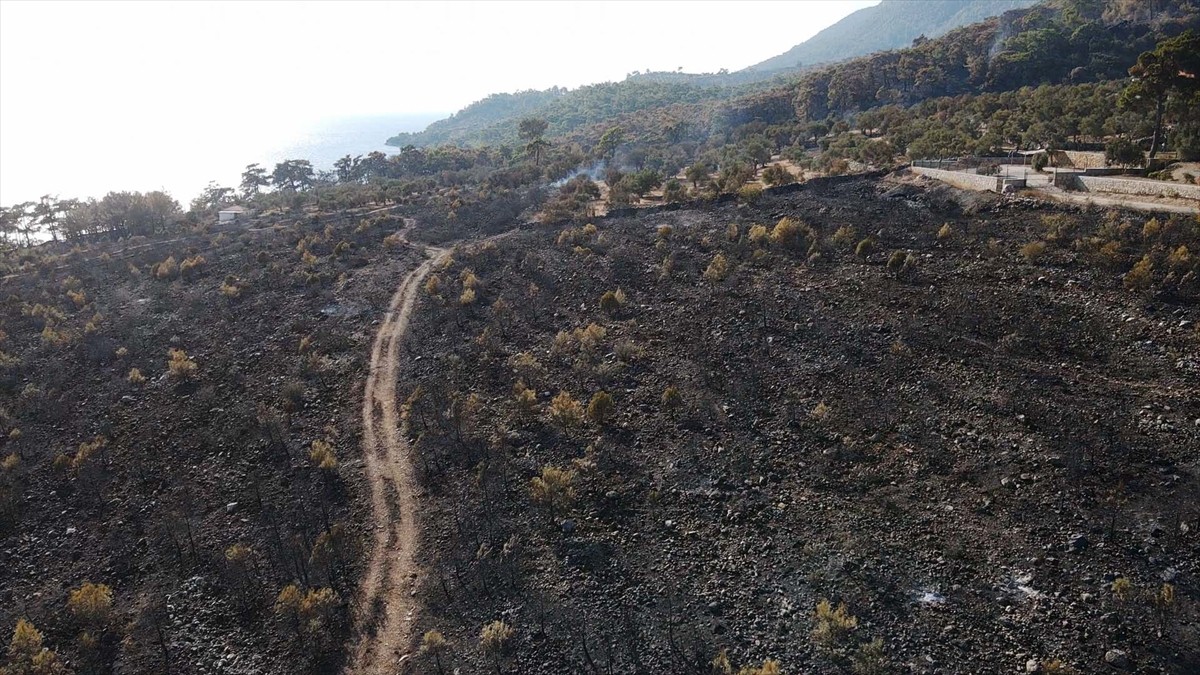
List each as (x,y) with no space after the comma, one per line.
(385,596)
(985,450)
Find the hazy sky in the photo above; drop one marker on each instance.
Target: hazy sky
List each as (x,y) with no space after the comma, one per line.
(153,81)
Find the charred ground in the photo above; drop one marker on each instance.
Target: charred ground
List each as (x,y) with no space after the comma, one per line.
(977,430)
(195,498)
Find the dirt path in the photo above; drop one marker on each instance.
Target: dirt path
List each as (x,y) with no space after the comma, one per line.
(385,607)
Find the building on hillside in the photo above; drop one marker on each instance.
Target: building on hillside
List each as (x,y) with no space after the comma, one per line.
(235,213)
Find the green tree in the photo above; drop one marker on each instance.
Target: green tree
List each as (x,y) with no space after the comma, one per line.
(293,175)
(609,142)
(1172,69)
(531,130)
(211,198)
(696,173)
(254,178)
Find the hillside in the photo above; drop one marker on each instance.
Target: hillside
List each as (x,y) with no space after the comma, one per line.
(891,24)
(661,438)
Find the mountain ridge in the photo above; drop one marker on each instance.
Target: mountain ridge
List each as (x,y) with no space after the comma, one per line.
(892,24)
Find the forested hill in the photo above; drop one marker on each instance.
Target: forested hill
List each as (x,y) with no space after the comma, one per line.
(494,119)
(892,24)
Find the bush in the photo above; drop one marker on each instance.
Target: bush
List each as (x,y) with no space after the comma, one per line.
(230,288)
(672,400)
(525,399)
(565,411)
(553,489)
(749,193)
(777,174)
(1140,277)
(494,639)
(166,270)
(832,626)
(179,365)
(322,455)
(946,233)
(1033,250)
(27,656)
(191,267)
(718,269)
(843,236)
(865,247)
(786,234)
(135,376)
(601,407)
(91,604)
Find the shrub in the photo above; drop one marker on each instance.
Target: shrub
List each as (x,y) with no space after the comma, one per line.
(664,232)
(865,247)
(869,659)
(1142,274)
(565,411)
(494,639)
(601,407)
(230,288)
(553,489)
(843,236)
(191,267)
(27,656)
(166,270)
(671,399)
(467,298)
(758,235)
(608,302)
(293,395)
(433,642)
(777,174)
(393,241)
(718,269)
(91,604)
(626,351)
(322,455)
(525,399)
(749,193)
(786,234)
(1180,259)
(77,297)
(179,365)
(946,233)
(1122,588)
(895,261)
(433,285)
(589,338)
(832,626)
(1033,250)
(135,376)
(308,258)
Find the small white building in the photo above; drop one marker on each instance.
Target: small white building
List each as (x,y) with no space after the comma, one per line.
(235,213)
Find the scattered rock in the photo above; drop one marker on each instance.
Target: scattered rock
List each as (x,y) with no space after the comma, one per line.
(1117,658)
(1077,542)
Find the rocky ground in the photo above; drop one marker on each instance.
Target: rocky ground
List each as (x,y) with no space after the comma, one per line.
(201,500)
(978,431)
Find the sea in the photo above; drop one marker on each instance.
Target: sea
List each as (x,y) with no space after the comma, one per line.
(183,166)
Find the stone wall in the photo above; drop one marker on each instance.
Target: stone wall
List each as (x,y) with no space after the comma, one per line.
(1079,159)
(1137,186)
(966,181)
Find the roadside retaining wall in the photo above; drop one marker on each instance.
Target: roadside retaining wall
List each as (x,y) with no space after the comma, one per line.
(1133,186)
(966,181)
(1079,159)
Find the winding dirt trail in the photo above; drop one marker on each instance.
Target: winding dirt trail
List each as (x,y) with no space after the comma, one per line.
(385,606)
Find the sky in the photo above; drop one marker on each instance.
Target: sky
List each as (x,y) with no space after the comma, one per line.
(95,92)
